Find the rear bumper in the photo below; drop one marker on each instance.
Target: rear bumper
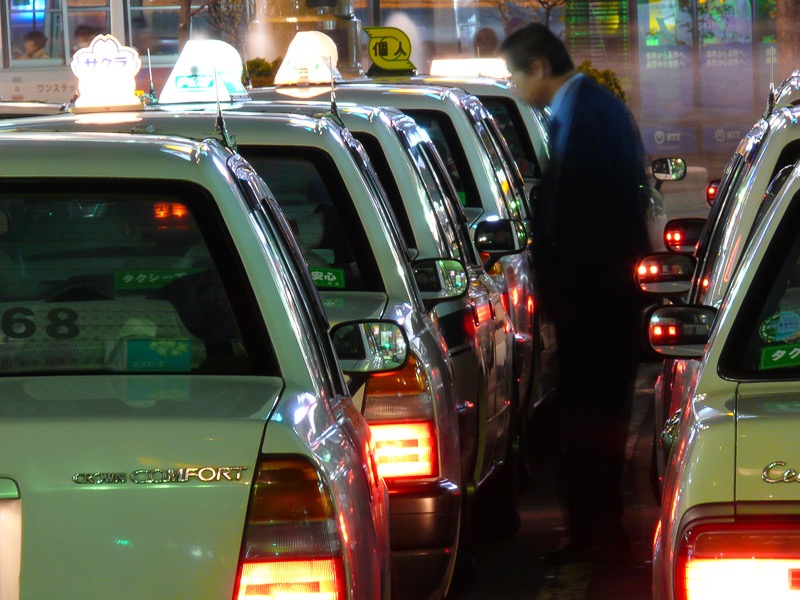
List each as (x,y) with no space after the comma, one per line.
(423,530)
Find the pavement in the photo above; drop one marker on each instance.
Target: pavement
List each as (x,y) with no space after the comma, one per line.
(513,569)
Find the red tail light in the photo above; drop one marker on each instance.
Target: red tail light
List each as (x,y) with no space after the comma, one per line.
(711,192)
(292,546)
(399,409)
(739,560)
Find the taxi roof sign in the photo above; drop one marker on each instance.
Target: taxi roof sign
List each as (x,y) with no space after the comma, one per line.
(470,67)
(206,71)
(389,49)
(311,59)
(106,72)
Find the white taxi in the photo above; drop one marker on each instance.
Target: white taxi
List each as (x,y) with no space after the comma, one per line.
(462,130)
(729,523)
(761,162)
(170,401)
(476,328)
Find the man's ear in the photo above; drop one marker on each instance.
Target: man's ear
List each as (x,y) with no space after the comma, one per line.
(539,67)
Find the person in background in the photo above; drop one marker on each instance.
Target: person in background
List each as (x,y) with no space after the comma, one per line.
(485,43)
(34,44)
(589,229)
(84,34)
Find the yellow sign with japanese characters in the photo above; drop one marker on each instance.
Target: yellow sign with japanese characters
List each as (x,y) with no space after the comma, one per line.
(389,48)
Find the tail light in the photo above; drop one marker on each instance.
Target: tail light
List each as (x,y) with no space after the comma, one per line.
(399,408)
(663,332)
(292,546)
(711,191)
(739,560)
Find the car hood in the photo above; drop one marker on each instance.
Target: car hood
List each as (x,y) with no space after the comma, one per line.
(134,479)
(767,452)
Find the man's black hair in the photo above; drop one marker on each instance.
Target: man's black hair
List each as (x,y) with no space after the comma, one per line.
(534,40)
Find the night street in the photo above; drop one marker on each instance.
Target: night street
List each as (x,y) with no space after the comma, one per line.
(513,569)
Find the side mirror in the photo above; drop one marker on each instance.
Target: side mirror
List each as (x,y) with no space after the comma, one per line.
(711,191)
(680,331)
(440,279)
(665,274)
(682,235)
(669,169)
(500,237)
(372,346)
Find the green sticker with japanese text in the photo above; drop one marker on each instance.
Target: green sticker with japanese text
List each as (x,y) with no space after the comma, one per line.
(780,357)
(142,279)
(158,355)
(327,278)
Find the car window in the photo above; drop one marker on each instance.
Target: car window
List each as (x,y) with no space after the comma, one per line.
(765,339)
(319,209)
(506,114)
(709,249)
(95,279)
(721,252)
(443,134)
(297,280)
(455,212)
(388,180)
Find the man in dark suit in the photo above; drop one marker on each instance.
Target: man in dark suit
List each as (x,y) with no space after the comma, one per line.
(589,229)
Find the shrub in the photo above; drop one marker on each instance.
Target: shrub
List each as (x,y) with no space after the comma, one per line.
(607,78)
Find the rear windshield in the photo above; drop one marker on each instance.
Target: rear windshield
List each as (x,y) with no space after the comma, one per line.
(94,279)
(319,208)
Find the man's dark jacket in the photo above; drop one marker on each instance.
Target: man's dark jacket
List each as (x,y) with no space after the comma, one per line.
(589,220)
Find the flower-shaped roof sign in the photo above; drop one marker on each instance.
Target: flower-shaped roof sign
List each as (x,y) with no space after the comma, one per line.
(106,72)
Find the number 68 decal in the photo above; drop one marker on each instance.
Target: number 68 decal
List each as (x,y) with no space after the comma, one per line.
(17,323)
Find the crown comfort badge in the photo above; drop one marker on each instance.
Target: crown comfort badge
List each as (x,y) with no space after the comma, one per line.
(141,476)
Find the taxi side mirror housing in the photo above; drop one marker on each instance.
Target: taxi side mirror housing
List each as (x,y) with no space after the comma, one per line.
(682,235)
(370,346)
(665,273)
(668,169)
(499,238)
(680,331)
(440,279)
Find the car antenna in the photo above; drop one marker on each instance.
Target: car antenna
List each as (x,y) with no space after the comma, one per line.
(248,83)
(227,140)
(771,95)
(153,97)
(334,107)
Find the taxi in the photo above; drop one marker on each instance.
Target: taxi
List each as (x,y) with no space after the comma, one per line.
(729,524)
(170,400)
(756,170)
(476,328)
(488,184)
(328,192)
